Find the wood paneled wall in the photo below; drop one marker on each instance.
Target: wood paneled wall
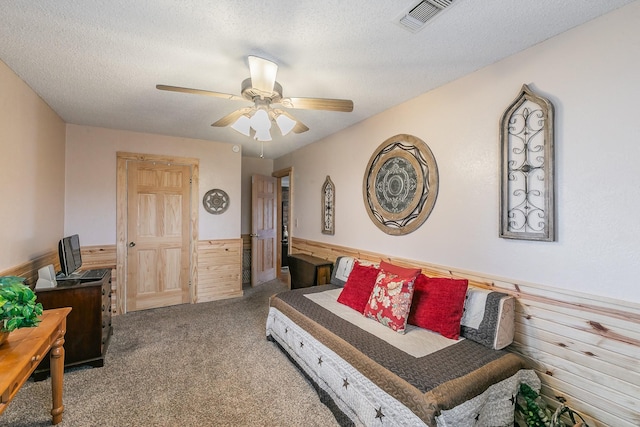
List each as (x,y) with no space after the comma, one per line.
(219,269)
(102,257)
(92,257)
(246,241)
(29,269)
(584,348)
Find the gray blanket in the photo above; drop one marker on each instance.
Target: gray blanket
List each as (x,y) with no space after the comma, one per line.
(428,384)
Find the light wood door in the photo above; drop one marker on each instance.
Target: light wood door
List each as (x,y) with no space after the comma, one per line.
(158,200)
(263,229)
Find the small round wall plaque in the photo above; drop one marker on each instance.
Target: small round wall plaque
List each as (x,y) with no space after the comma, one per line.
(215,201)
(400,184)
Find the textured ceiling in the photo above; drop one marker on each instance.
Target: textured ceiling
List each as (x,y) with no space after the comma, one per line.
(97,63)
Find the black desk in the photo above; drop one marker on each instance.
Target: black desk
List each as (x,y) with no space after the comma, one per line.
(307,270)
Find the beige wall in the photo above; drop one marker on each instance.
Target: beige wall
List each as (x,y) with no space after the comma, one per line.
(32,174)
(251,166)
(591,75)
(91,180)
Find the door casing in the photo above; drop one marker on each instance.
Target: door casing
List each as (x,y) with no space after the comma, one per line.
(122,158)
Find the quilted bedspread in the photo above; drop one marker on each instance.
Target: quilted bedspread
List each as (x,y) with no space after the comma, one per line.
(426,385)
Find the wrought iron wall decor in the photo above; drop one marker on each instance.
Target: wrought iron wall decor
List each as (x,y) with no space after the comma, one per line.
(527,161)
(215,201)
(328,206)
(400,184)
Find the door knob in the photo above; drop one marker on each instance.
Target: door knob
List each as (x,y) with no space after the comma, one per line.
(132,244)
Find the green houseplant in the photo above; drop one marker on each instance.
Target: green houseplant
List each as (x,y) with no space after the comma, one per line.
(532,411)
(18,306)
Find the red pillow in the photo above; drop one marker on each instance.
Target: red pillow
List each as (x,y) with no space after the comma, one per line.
(390,300)
(438,303)
(399,271)
(358,287)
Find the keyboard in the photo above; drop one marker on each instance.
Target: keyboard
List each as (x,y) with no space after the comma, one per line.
(84,276)
(91,275)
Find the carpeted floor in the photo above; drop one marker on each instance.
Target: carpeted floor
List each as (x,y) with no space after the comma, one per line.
(204,364)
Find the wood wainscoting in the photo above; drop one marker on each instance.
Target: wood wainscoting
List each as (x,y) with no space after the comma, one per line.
(29,269)
(92,257)
(219,269)
(584,348)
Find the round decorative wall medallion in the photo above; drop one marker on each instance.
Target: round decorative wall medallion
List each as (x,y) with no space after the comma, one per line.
(400,184)
(215,201)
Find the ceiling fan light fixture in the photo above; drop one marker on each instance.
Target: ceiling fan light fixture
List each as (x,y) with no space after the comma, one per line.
(286,124)
(242,125)
(262,89)
(260,121)
(262,135)
(263,74)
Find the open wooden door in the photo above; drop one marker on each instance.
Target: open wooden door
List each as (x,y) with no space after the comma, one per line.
(263,229)
(158,261)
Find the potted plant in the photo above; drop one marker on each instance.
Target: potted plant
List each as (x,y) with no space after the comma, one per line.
(18,307)
(532,411)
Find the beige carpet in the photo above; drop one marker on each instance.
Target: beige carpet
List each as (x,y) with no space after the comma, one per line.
(205,364)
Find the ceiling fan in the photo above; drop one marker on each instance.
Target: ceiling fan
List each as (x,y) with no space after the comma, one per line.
(266,94)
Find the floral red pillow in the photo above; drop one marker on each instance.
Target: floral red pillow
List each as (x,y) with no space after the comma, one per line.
(438,304)
(390,300)
(358,287)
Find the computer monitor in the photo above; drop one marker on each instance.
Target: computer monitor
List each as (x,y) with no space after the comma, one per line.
(69,253)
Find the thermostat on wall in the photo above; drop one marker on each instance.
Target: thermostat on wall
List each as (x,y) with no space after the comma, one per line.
(236,148)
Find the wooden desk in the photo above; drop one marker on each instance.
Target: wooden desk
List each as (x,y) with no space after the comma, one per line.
(307,270)
(23,350)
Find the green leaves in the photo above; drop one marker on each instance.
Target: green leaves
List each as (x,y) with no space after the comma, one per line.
(18,307)
(531,407)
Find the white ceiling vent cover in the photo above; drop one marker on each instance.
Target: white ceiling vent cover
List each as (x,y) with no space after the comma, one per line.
(415,17)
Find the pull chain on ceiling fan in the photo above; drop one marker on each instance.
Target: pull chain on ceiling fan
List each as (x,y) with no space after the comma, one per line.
(264,91)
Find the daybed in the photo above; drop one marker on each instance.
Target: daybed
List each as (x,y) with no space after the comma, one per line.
(369,374)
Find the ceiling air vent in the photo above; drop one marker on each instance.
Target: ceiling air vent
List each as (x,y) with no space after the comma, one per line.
(415,17)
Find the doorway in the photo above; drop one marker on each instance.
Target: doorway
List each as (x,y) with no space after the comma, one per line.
(284,219)
(284,226)
(157,211)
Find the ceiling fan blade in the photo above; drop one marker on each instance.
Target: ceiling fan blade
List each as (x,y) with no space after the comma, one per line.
(263,74)
(200,92)
(344,105)
(231,118)
(300,127)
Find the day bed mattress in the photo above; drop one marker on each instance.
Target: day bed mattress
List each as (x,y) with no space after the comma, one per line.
(370,379)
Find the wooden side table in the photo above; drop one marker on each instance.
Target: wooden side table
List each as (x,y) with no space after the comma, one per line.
(22,352)
(307,270)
